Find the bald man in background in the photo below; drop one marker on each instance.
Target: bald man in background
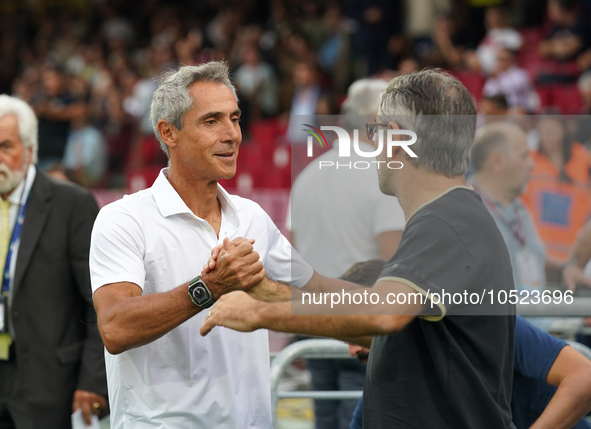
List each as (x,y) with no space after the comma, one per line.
(501,165)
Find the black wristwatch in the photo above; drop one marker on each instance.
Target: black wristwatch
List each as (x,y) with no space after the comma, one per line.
(199,293)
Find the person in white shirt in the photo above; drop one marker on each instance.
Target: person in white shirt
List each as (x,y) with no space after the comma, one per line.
(338,218)
(499,35)
(513,82)
(147,251)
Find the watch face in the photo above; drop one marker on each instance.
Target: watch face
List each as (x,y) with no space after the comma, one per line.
(200,294)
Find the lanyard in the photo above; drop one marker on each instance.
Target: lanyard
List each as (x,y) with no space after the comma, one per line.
(517,229)
(16,233)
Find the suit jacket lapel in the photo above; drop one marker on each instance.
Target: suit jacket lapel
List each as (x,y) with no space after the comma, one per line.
(35,218)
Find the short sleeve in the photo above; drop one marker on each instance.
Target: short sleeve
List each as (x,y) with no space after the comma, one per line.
(535,350)
(283,262)
(388,215)
(431,259)
(117,248)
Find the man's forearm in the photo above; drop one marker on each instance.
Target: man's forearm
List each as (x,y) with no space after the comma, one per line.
(278,317)
(132,321)
(270,291)
(341,322)
(568,406)
(239,311)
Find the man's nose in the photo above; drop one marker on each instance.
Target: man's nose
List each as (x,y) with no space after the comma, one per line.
(232,132)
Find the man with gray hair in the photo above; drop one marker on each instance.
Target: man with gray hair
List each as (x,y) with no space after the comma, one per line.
(434,362)
(337,220)
(51,354)
(147,252)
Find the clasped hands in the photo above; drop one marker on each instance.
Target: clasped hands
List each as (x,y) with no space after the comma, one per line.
(233,265)
(231,272)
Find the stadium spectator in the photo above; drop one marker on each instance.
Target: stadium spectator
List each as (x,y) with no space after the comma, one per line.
(499,35)
(336,220)
(494,107)
(569,33)
(86,152)
(257,86)
(55,107)
(305,99)
(378,21)
(333,55)
(557,194)
(511,81)
(420,18)
(450,41)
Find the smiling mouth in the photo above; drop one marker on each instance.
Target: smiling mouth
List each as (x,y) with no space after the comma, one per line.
(225,155)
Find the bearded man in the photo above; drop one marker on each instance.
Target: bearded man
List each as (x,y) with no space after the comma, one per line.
(51,353)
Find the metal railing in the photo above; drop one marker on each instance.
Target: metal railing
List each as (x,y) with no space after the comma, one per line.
(580,307)
(307,349)
(332,349)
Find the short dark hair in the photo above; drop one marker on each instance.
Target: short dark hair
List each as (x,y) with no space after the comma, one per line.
(499,100)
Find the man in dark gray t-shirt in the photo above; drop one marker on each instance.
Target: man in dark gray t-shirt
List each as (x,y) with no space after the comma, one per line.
(448,367)
(443,362)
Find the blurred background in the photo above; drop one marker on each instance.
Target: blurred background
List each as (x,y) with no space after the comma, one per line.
(89,67)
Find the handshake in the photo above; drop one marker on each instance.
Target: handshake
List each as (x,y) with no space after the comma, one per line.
(237,280)
(233,266)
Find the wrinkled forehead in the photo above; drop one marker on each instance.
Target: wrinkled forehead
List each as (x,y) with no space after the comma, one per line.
(212,96)
(9,124)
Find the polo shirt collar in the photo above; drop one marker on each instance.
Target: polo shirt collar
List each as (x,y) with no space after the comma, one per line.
(170,203)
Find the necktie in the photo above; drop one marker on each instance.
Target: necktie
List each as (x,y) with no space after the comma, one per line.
(5,338)
(4,232)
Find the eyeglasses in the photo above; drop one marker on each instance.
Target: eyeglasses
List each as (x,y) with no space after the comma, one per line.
(372,129)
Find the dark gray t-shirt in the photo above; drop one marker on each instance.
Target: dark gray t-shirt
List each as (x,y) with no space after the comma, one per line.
(455,372)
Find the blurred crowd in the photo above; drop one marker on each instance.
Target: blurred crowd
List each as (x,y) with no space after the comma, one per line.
(89,68)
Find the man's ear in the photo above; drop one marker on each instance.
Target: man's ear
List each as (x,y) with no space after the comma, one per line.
(393,125)
(168,133)
(396,149)
(496,161)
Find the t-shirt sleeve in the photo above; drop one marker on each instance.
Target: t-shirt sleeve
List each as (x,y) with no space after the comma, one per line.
(535,350)
(117,249)
(388,215)
(283,263)
(431,258)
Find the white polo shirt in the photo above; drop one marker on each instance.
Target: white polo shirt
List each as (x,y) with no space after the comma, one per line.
(183,380)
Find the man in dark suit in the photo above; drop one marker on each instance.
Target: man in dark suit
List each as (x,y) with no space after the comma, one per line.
(51,354)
